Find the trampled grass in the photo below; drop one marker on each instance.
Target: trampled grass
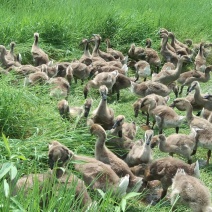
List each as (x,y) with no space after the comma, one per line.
(29,117)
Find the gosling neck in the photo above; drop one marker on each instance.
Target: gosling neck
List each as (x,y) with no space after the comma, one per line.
(189,114)
(164,42)
(36,41)
(100,142)
(86,50)
(163,145)
(96,48)
(178,68)
(197,95)
(103,106)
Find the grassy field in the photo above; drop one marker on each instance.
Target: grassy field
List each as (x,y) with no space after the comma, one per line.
(28,116)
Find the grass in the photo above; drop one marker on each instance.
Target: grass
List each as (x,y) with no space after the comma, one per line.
(29,117)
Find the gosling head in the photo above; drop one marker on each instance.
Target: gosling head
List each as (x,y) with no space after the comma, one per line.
(2,49)
(119,121)
(180,102)
(193,86)
(97,130)
(148,136)
(58,154)
(63,107)
(208,97)
(103,92)
(87,106)
(12,45)
(146,101)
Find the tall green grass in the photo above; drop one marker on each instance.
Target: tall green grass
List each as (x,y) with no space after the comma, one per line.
(29,117)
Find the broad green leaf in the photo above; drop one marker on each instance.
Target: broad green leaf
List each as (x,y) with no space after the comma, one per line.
(6,188)
(123,204)
(131,194)
(5,169)
(13,172)
(6,143)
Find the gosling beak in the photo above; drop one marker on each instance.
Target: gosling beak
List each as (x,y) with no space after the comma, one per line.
(87,110)
(51,163)
(191,89)
(207,96)
(116,124)
(172,105)
(104,96)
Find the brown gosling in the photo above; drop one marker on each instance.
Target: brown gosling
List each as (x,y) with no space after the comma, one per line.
(201,77)
(95,174)
(36,78)
(103,154)
(68,181)
(39,56)
(25,70)
(51,71)
(179,49)
(159,100)
(120,136)
(136,53)
(203,100)
(105,56)
(79,71)
(168,76)
(164,169)
(145,88)
(59,87)
(86,57)
(179,144)
(103,115)
(142,69)
(105,78)
(11,55)
(6,62)
(122,82)
(168,55)
(200,61)
(191,192)
(141,152)
(115,53)
(164,116)
(151,56)
(202,127)
(71,112)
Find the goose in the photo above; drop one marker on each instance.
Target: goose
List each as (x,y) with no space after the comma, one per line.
(179,144)
(11,55)
(6,62)
(115,53)
(205,101)
(168,55)
(200,61)
(186,75)
(201,77)
(79,71)
(36,78)
(151,56)
(159,101)
(25,70)
(103,115)
(127,129)
(59,87)
(142,69)
(97,52)
(103,154)
(164,116)
(168,76)
(120,137)
(63,180)
(140,152)
(164,169)
(178,49)
(86,57)
(169,47)
(105,78)
(96,174)
(39,56)
(191,192)
(71,112)
(202,127)
(145,88)
(122,82)
(136,53)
